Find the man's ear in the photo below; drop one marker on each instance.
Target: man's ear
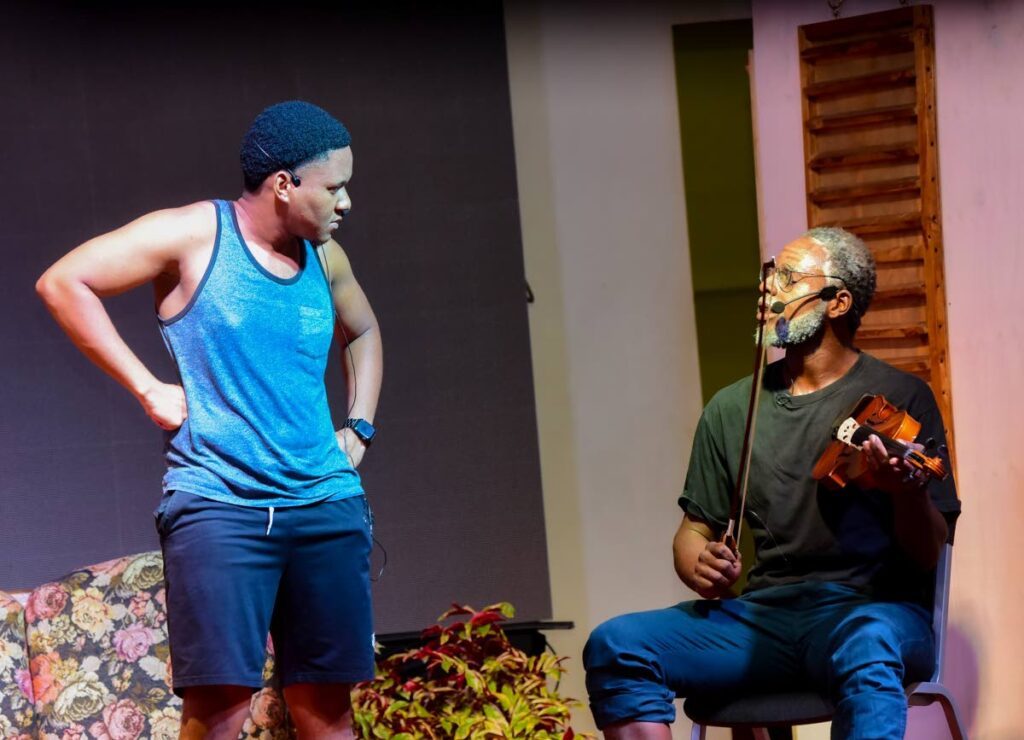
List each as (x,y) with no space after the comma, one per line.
(282,185)
(841,304)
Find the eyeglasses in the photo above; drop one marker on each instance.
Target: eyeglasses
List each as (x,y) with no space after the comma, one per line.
(785,278)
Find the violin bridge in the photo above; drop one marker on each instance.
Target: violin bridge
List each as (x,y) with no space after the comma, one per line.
(845,431)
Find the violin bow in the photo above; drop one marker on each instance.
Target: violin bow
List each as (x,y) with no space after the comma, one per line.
(738,502)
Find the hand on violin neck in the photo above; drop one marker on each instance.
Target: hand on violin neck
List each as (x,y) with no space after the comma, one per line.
(894,475)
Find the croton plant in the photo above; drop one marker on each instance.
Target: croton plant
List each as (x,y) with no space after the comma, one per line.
(466,680)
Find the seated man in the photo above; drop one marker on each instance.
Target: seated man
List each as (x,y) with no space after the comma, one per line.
(838,596)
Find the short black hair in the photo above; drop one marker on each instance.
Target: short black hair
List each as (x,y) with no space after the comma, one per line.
(287,135)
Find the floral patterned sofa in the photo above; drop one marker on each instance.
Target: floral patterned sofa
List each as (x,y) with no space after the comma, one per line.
(87,658)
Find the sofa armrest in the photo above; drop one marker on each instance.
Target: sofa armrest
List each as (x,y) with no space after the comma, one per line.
(17,715)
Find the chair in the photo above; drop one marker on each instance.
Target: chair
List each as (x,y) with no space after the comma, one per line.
(758,712)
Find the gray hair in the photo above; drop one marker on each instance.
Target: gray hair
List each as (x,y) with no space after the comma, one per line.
(850,259)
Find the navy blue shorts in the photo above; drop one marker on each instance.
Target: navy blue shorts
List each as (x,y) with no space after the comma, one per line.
(235,573)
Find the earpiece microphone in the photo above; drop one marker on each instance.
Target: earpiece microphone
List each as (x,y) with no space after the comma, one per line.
(296,180)
(826,294)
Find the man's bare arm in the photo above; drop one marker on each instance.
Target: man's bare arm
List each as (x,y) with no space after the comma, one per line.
(362,356)
(702,562)
(153,247)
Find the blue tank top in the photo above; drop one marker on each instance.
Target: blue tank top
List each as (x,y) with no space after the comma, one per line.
(251,350)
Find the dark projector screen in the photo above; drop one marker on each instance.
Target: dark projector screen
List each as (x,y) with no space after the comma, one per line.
(112,111)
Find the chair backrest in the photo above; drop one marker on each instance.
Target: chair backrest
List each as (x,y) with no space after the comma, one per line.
(940,607)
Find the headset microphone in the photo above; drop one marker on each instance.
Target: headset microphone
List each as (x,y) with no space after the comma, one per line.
(826,294)
(296,180)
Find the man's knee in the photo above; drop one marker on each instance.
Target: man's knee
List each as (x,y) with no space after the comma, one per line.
(608,641)
(214,712)
(320,709)
(216,698)
(625,681)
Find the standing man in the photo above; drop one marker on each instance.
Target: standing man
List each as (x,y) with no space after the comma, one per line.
(263,523)
(838,597)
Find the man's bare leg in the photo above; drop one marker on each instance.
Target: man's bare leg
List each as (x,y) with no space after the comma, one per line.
(638,731)
(321,711)
(214,712)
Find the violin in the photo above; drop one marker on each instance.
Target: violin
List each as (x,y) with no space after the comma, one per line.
(842,462)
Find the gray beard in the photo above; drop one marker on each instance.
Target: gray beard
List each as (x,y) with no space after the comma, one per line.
(793,333)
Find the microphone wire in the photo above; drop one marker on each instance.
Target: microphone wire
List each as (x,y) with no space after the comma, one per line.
(352,404)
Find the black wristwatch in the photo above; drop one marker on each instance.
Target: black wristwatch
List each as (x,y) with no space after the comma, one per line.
(363,429)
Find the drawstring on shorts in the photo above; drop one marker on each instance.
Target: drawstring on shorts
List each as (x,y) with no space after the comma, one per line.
(270,519)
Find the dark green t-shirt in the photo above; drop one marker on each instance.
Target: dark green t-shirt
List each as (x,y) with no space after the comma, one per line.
(803,531)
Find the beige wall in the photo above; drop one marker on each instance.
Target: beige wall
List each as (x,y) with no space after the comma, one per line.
(979,55)
(596,124)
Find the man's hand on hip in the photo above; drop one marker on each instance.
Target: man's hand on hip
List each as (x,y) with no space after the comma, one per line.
(165,405)
(351,445)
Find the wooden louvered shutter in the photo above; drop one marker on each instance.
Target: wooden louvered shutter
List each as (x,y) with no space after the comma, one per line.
(872,167)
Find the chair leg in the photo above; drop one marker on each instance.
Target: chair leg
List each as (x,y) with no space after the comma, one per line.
(921,695)
(956,727)
(747,732)
(698,732)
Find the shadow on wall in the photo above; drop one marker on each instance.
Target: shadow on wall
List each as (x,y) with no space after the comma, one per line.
(961,677)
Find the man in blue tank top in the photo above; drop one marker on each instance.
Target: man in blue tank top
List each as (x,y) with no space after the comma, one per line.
(263,523)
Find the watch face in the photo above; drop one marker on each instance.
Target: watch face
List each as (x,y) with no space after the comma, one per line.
(364,429)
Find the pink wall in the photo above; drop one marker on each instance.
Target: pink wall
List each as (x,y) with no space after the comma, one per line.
(979,58)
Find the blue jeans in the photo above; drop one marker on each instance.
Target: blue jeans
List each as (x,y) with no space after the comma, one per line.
(859,653)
